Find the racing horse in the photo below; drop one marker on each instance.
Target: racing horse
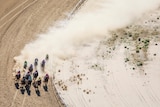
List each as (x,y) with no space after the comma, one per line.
(36,62)
(43,65)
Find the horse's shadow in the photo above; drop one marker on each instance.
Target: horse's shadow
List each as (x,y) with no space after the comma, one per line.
(17,85)
(28,89)
(45,87)
(38,92)
(22,90)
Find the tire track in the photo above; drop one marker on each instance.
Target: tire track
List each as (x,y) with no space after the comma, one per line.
(110,99)
(139,93)
(82,98)
(119,93)
(153,93)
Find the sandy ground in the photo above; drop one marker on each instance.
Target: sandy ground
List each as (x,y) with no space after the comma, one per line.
(20,21)
(122,71)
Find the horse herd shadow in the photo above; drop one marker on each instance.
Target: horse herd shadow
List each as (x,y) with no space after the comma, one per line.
(26,88)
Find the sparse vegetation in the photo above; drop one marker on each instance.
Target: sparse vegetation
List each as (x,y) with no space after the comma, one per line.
(137,37)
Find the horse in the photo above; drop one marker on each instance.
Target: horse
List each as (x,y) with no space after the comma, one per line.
(18,76)
(17,79)
(29,80)
(45,80)
(25,65)
(23,82)
(37,83)
(27,75)
(43,65)
(36,62)
(35,75)
(31,68)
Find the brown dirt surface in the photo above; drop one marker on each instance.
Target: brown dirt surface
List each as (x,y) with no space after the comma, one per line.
(20,22)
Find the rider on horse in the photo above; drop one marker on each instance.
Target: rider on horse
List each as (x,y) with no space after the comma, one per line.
(18,75)
(35,74)
(25,65)
(23,82)
(36,62)
(43,63)
(46,78)
(31,68)
(29,80)
(27,75)
(39,81)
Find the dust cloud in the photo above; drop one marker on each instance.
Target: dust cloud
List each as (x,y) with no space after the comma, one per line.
(92,22)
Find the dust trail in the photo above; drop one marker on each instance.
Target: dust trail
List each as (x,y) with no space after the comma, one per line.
(92,22)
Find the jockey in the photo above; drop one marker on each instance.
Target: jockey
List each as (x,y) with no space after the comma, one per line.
(31,68)
(46,78)
(39,81)
(35,74)
(36,61)
(23,81)
(29,80)
(27,75)
(43,63)
(18,75)
(25,64)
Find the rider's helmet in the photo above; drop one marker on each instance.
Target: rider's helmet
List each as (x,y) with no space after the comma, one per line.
(25,61)
(39,78)
(36,59)
(18,71)
(47,75)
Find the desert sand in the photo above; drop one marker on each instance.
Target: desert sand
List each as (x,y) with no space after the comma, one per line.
(20,22)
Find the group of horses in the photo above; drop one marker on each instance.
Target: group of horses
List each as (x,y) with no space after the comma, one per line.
(26,78)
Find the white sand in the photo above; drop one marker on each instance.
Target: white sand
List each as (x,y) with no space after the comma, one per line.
(108,81)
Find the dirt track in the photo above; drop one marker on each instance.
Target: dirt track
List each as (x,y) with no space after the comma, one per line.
(20,22)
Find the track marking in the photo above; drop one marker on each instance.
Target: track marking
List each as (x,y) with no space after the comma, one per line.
(18,13)
(15,95)
(13,10)
(76,8)
(23,100)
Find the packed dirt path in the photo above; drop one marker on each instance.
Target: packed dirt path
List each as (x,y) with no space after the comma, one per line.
(20,22)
